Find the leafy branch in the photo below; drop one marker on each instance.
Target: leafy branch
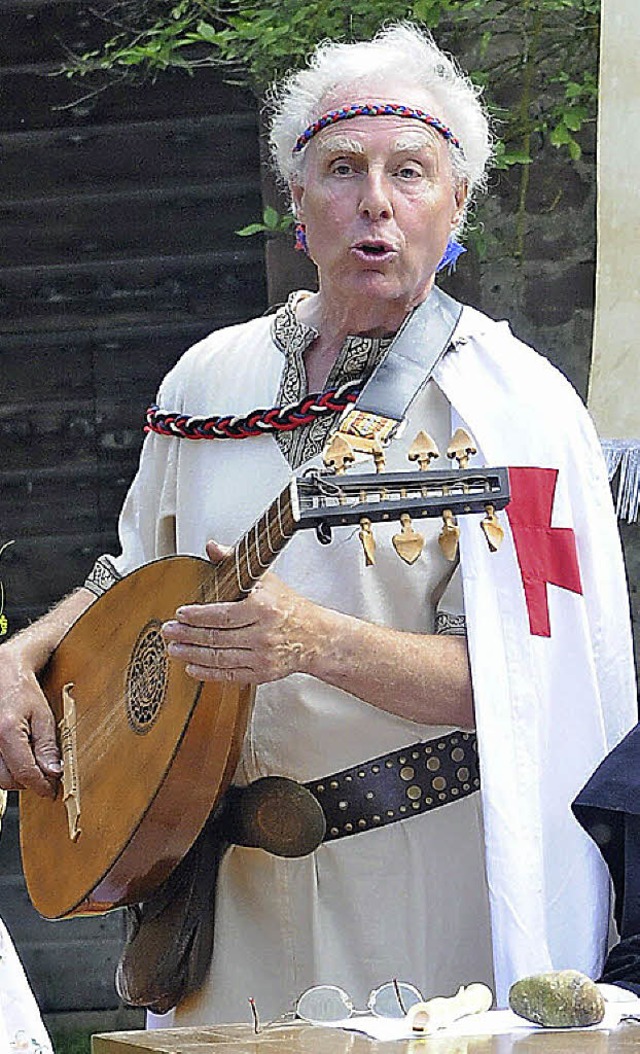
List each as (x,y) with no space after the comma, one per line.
(518,52)
(273,222)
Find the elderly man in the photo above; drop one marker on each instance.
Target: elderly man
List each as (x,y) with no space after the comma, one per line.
(382,145)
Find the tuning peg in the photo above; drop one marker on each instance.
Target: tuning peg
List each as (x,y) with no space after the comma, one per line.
(409,543)
(449,535)
(377,453)
(338,453)
(365,534)
(492,529)
(461,447)
(423,450)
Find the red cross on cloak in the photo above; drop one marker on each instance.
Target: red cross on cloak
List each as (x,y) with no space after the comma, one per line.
(545,554)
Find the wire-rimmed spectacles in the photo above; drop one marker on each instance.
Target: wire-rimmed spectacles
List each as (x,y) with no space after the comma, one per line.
(325,1004)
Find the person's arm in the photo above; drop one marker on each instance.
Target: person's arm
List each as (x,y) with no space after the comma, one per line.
(275,632)
(29,756)
(422,677)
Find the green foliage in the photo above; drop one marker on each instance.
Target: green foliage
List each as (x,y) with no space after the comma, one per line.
(575,109)
(518,49)
(273,222)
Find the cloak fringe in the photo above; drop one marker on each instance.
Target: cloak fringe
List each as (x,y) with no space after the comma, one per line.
(624,454)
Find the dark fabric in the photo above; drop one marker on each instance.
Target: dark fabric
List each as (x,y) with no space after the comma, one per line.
(608,807)
(623,965)
(169,938)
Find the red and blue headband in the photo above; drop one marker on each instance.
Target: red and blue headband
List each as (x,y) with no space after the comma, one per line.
(371,109)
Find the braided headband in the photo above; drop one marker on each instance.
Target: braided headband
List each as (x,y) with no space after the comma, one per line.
(372,109)
(258,422)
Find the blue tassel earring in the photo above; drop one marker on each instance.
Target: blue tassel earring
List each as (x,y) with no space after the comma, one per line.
(301,238)
(451,254)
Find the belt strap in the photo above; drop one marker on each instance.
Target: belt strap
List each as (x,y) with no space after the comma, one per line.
(411,357)
(406,782)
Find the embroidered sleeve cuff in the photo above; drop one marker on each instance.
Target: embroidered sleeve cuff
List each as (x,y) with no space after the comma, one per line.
(102,576)
(453,625)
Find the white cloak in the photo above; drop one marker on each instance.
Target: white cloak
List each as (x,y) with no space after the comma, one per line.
(410,900)
(547,709)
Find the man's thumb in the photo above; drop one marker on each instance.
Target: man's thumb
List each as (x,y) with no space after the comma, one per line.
(217,552)
(45,747)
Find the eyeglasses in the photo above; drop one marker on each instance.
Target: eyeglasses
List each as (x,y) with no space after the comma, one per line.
(324,1004)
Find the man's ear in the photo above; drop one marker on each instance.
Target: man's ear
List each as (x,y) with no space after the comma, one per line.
(461,192)
(297,195)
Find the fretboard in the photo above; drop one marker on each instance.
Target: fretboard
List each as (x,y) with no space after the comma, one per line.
(235,576)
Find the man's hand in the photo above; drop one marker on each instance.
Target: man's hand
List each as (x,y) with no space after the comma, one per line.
(274,632)
(29,756)
(264,637)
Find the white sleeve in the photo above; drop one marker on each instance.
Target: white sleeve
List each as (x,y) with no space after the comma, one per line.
(450,617)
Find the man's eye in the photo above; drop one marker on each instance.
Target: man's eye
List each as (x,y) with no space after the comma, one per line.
(409,172)
(341,168)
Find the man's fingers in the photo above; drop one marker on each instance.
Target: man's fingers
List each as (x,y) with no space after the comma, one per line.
(20,772)
(7,781)
(45,746)
(217,552)
(215,658)
(211,616)
(214,673)
(204,636)
(28,749)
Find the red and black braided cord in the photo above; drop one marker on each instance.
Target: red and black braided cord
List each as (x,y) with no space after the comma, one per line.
(256,423)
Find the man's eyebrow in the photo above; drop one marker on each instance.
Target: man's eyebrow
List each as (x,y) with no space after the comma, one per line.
(339,144)
(414,140)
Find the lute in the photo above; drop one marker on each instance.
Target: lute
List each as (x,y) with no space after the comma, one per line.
(147,751)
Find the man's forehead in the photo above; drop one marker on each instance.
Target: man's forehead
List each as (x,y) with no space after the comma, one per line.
(396,139)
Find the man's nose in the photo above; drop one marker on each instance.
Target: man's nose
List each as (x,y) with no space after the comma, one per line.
(375,199)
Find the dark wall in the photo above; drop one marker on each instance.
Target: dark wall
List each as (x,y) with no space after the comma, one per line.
(117,251)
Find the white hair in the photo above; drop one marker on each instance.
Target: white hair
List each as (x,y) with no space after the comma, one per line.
(400,54)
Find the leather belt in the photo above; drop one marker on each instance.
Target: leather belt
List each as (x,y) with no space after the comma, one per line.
(406,782)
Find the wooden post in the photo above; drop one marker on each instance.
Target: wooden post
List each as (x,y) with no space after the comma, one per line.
(615,369)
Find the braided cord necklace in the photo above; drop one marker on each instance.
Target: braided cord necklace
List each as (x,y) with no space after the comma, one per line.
(258,422)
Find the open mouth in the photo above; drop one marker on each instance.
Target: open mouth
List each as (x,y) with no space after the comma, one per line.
(373,248)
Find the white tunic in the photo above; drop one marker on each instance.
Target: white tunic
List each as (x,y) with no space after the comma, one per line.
(408,901)
(21,1027)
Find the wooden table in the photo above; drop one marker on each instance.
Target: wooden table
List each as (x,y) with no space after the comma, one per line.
(305,1039)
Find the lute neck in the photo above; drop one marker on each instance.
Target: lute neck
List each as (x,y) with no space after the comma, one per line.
(237,573)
